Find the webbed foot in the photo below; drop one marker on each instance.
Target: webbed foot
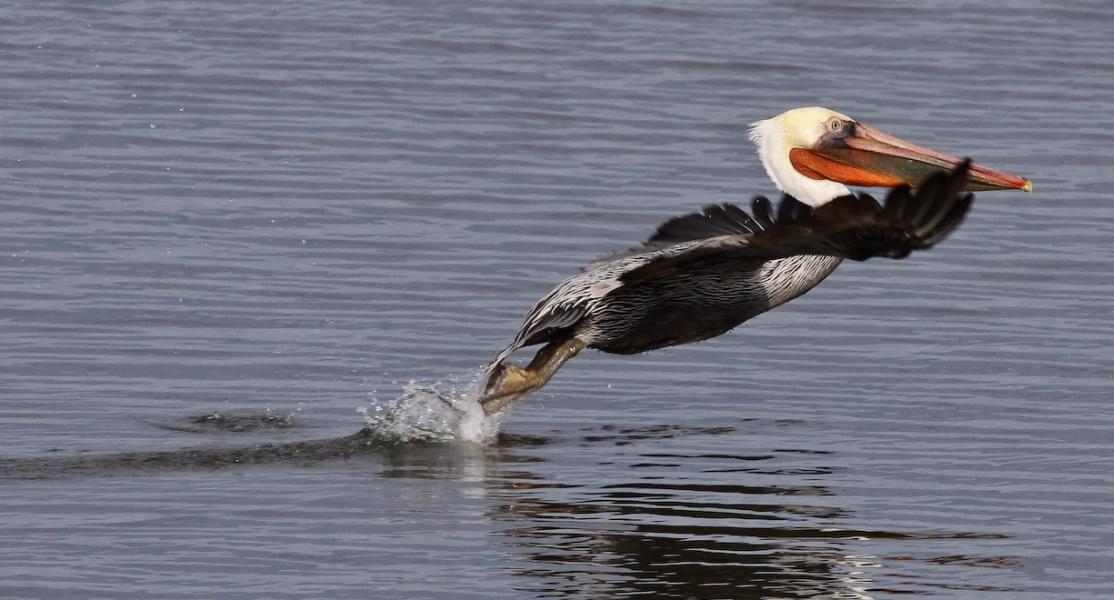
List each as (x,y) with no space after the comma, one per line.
(509,382)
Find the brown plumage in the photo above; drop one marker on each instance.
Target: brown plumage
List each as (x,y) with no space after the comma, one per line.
(703,274)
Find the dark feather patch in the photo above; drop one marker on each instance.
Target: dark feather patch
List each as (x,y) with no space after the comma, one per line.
(855,227)
(713,221)
(761,208)
(791,209)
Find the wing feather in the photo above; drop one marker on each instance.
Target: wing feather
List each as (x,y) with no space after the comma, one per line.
(852,226)
(714,220)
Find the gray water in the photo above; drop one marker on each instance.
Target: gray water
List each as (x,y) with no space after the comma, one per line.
(233,235)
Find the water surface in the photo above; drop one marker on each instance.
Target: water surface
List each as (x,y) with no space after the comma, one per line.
(228,229)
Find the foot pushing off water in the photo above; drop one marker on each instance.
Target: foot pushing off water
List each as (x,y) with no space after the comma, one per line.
(509,382)
(703,274)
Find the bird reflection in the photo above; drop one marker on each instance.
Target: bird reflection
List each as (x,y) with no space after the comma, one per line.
(697,524)
(663,537)
(669,534)
(694,523)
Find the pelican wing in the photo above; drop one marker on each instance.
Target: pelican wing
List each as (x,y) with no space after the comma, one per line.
(724,220)
(714,220)
(855,227)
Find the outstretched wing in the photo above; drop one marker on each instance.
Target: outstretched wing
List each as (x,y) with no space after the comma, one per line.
(715,220)
(571,299)
(855,227)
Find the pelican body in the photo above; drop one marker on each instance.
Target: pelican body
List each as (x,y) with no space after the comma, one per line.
(703,274)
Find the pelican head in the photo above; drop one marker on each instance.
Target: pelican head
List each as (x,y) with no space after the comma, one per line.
(814,153)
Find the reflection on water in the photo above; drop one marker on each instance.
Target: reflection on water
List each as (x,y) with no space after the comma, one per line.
(668,536)
(656,530)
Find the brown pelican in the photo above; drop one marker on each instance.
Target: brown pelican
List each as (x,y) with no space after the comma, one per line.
(703,274)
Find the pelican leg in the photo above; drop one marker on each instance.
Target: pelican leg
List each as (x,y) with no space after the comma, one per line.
(510,382)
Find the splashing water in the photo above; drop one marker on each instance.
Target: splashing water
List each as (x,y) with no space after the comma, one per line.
(433,412)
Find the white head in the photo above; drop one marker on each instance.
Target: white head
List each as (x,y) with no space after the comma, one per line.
(814,153)
(796,128)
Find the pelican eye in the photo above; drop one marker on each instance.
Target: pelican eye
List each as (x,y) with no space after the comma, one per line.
(835,124)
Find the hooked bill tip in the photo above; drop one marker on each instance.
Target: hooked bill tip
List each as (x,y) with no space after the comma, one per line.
(1028,185)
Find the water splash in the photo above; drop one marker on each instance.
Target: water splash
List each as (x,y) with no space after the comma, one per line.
(434,412)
